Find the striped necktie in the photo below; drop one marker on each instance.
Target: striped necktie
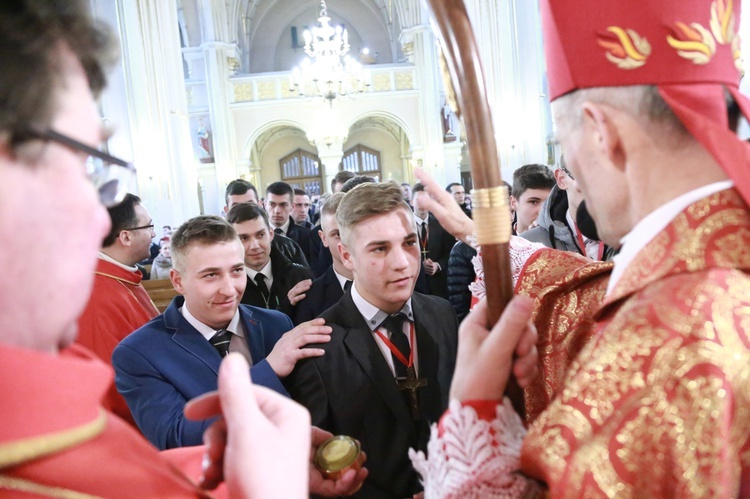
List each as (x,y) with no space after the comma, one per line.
(220,341)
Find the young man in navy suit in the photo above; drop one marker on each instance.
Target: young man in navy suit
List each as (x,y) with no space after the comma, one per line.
(364,388)
(327,289)
(176,356)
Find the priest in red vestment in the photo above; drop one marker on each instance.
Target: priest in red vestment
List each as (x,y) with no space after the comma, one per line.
(56,438)
(648,395)
(119,304)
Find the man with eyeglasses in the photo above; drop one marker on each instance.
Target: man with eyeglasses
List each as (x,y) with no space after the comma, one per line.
(56,440)
(119,304)
(557,222)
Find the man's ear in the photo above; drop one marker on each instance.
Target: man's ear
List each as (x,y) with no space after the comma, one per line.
(124,237)
(346,256)
(599,120)
(513,203)
(176,279)
(561,178)
(322,236)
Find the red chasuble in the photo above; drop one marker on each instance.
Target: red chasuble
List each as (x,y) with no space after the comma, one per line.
(56,439)
(118,306)
(657,402)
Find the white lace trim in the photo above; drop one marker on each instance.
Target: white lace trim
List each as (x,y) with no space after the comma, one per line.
(520,252)
(474,458)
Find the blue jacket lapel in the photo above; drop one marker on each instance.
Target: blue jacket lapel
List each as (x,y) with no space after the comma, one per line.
(188,338)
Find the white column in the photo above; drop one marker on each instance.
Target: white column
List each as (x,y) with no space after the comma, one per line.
(509,38)
(216,55)
(420,46)
(330,152)
(150,87)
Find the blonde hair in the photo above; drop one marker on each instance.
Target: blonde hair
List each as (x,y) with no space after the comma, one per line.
(366,201)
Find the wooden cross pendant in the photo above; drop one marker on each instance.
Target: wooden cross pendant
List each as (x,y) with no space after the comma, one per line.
(412,383)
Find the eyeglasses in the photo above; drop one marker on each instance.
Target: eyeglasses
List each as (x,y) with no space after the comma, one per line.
(111,176)
(149,227)
(567,172)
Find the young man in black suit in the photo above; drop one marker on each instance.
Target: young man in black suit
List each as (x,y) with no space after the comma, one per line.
(279,205)
(436,244)
(270,275)
(392,352)
(327,289)
(241,191)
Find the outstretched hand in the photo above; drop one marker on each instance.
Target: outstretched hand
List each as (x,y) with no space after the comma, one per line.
(487,357)
(442,205)
(347,485)
(259,430)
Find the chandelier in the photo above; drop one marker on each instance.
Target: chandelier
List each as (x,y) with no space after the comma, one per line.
(328,72)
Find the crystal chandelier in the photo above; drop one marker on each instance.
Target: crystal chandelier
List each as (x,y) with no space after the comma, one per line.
(328,72)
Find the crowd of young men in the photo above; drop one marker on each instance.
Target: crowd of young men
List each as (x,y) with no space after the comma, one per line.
(644,363)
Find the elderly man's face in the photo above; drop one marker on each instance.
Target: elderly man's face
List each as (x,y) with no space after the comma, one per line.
(42,301)
(601,184)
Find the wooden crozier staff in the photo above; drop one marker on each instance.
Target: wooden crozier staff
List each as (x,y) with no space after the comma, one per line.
(490,208)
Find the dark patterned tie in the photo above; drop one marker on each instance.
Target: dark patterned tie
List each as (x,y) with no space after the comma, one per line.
(395,325)
(347,285)
(278,230)
(220,341)
(260,281)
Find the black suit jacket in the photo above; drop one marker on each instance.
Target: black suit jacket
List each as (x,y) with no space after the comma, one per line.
(325,292)
(301,236)
(351,390)
(439,245)
(289,249)
(285,275)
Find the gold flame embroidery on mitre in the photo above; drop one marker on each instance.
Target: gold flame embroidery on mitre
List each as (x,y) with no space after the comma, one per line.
(627,50)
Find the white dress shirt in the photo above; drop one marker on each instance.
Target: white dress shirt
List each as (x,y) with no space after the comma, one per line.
(374,317)
(266,271)
(236,344)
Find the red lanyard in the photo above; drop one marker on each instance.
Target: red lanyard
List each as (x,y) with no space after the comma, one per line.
(395,351)
(583,245)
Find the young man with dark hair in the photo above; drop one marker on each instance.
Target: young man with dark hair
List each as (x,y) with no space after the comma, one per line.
(301,209)
(279,204)
(435,243)
(119,304)
(389,363)
(531,187)
(240,191)
(340,179)
(271,277)
(406,190)
(556,224)
(326,290)
(459,194)
(355,181)
(176,356)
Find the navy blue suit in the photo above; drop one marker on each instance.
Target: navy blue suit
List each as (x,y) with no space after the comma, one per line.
(324,293)
(167,362)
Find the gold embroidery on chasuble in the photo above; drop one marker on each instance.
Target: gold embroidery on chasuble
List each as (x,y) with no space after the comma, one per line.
(657,403)
(567,289)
